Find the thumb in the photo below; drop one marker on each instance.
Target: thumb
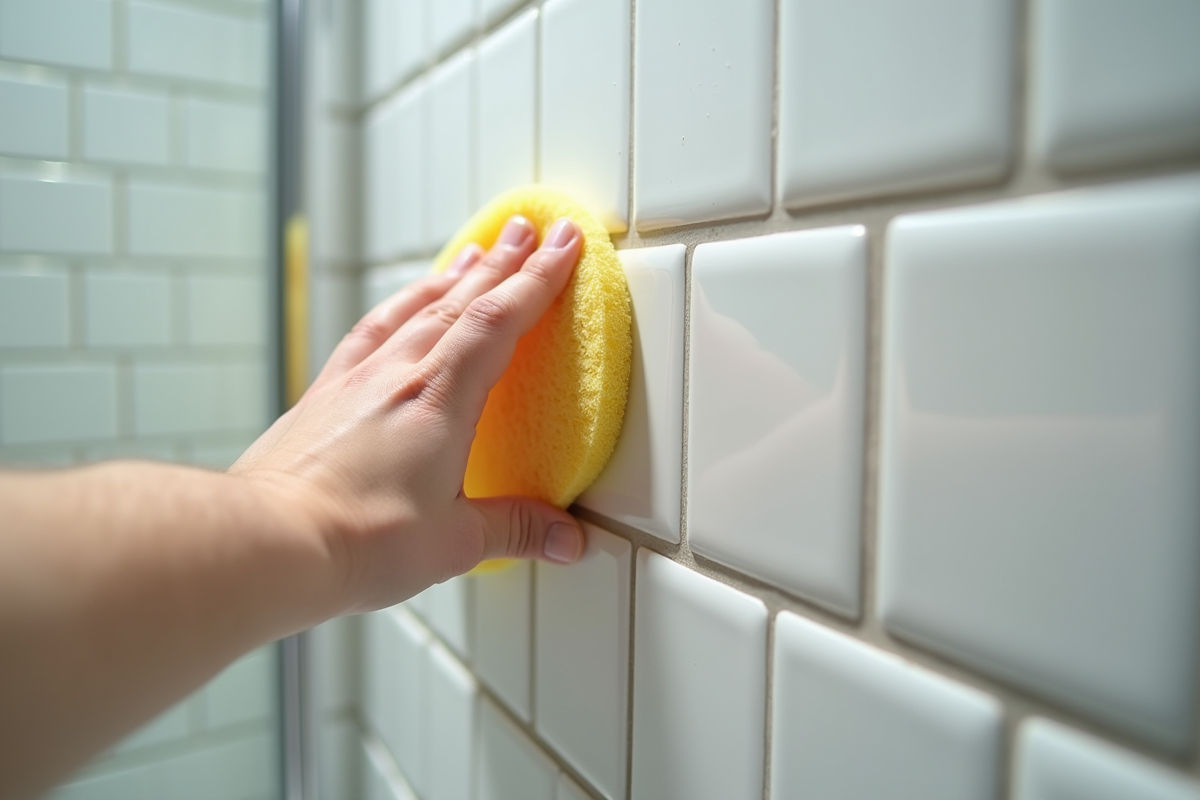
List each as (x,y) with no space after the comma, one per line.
(521,527)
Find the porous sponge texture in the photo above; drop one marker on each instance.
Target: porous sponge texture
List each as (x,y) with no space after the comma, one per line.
(552,421)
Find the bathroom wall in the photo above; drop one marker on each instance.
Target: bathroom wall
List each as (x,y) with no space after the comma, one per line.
(905,503)
(133,296)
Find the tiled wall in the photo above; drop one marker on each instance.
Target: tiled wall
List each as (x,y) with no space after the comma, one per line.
(906,500)
(132,295)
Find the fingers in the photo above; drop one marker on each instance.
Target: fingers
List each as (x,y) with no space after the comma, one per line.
(520,527)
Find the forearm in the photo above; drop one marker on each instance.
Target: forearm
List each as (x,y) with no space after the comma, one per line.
(125,586)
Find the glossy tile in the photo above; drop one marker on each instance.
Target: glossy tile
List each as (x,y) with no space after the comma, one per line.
(243,692)
(451,122)
(176,219)
(446,608)
(699,685)
(197,43)
(569,790)
(450,729)
(775,431)
(382,282)
(702,118)
(32,30)
(225,309)
(127,308)
(35,308)
(510,765)
(502,650)
(506,115)
(879,97)
(226,136)
(395,47)
(394,153)
(57,402)
(582,660)
(1057,763)
(191,397)
(1114,83)
(493,10)
(451,22)
(641,486)
(72,216)
(128,126)
(35,118)
(585,104)
(1035,522)
(396,686)
(839,702)
(381,779)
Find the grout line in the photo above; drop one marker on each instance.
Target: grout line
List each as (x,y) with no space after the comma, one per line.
(872,420)
(629,674)
(75,119)
(631,234)
(768,699)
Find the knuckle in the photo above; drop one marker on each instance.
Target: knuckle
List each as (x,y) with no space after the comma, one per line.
(444,313)
(370,328)
(490,311)
(521,522)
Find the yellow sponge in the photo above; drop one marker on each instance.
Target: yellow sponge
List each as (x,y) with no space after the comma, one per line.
(552,421)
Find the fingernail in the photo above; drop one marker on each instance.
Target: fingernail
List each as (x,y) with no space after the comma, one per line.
(465,259)
(563,543)
(515,232)
(560,235)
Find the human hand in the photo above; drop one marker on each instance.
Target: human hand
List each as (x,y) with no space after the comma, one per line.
(371,459)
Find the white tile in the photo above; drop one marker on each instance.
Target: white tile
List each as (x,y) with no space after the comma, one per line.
(451,22)
(125,125)
(582,661)
(169,726)
(219,456)
(394,37)
(450,730)
(126,308)
(55,216)
(34,309)
(879,97)
(335,651)
(569,789)
(584,144)
(57,403)
(199,397)
(338,759)
(446,607)
(382,282)
(699,685)
(334,306)
(171,219)
(35,117)
(332,190)
(182,42)
(225,309)
(775,430)
(1057,763)
(394,157)
(703,111)
(34,30)
(451,122)
(839,702)
(381,778)
(642,484)
(1115,83)
(1037,512)
(503,647)
(506,115)
(493,10)
(227,136)
(243,692)
(396,685)
(510,765)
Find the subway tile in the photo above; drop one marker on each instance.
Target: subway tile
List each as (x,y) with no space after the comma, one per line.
(446,607)
(126,309)
(216,455)
(126,126)
(76,33)
(243,692)
(35,116)
(505,120)
(179,42)
(1035,522)
(334,307)
(451,22)
(582,659)
(394,35)
(641,485)
(503,646)
(510,765)
(879,97)
(225,309)
(226,136)
(337,759)
(451,123)
(199,397)
(382,282)
(139,449)
(703,111)
(169,726)
(381,779)
(1055,762)
(775,431)
(493,10)
(839,702)
(396,685)
(584,143)
(450,730)
(34,309)
(335,650)
(332,190)
(1114,83)
(73,215)
(569,790)
(57,402)
(180,220)
(699,685)
(394,175)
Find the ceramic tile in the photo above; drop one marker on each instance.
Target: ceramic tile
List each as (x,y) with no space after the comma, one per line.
(396,685)
(32,30)
(1114,83)
(1034,520)
(243,692)
(775,431)
(335,305)
(451,123)
(582,659)
(493,10)
(381,779)
(503,645)
(225,309)
(394,175)
(510,765)
(126,126)
(446,607)
(226,136)
(451,22)
(1057,763)
(570,790)
(182,42)
(838,702)
(35,308)
(703,111)
(641,485)
(335,655)
(450,729)
(57,402)
(394,34)
(199,397)
(696,639)
(338,759)
(35,117)
(382,282)
(332,191)
(584,142)
(55,216)
(189,220)
(169,726)
(879,97)
(505,76)
(127,308)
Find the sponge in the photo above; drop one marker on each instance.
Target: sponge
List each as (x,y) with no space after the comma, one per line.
(552,421)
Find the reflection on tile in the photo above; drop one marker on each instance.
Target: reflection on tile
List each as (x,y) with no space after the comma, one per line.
(450,728)
(503,645)
(510,765)
(505,121)
(451,129)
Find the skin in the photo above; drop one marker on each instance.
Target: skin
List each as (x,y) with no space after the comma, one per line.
(126,586)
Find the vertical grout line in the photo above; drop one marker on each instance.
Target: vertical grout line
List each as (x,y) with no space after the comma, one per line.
(768,712)
(538,28)
(629,674)
(872,415)
(120,37)
(75,118)
(631,235)
(76,307)
(125,397)
(532,678)
(776,71)
(684,414)
(120,189)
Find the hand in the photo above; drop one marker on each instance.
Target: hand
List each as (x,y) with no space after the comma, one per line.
(372,457)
